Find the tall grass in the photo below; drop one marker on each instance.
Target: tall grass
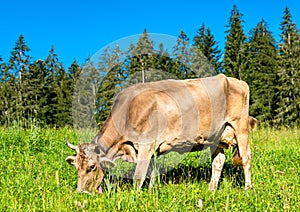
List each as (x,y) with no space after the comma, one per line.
(35,177)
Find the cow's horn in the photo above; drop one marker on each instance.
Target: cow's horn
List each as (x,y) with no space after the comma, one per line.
(72,146)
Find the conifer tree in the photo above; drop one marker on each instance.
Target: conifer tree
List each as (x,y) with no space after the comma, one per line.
(200,65)
(35,92)
(111,83)
(7,93)
(182,57)
(19,65)
(163,65)
(74,72)
(127,66)
(142,59)
(288,111)
(50,109)
(262,74)
(63,100)
(84,96)
(235,59)
(206,43)
(162,58)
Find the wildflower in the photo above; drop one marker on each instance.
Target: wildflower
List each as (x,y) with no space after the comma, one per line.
(100,190)
(200,203)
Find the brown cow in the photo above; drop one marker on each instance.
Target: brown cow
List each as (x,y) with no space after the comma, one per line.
(170,115)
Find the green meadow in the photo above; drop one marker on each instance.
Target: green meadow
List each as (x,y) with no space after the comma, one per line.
(35,177)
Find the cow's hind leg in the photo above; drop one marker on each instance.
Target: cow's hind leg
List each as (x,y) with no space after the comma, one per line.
(218,159)
(145,153)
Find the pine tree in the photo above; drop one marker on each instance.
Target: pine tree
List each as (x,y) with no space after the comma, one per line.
(262,74)
(206,43)
(111,83)
(163,65)
(50,101)
(35,92)
(142,60)
(162,58)
(19,65)
(63,89)
(235,59)
(7,93)
(74,72)
(182,56)
(127,66)
(84,96)
(200,65)
(289,74)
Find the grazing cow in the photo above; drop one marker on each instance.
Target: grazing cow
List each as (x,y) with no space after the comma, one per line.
(171,115)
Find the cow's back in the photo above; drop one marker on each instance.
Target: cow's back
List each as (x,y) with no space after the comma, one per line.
(177,112)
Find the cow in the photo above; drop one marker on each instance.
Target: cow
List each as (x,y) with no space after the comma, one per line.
(155,118)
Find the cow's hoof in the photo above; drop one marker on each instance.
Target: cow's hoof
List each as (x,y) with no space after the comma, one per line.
(247,187)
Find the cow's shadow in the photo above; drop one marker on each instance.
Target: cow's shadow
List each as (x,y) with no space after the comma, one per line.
(185,174)
(182,173)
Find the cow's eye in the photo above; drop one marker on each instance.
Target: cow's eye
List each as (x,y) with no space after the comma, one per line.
(92,168)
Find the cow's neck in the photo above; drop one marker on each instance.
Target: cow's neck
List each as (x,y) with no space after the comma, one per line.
(109,139)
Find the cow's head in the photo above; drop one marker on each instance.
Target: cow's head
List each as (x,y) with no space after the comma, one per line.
(89,165)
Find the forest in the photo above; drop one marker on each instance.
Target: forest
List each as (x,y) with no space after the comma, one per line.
(45,93)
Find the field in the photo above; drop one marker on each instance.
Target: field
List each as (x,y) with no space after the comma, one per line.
(35,177)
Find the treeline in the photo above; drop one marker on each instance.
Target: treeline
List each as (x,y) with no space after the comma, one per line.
(45,93)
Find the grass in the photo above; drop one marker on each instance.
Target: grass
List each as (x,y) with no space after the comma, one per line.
(35,177)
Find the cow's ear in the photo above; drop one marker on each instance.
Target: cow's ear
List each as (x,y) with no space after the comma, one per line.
(106,163)
(70,160)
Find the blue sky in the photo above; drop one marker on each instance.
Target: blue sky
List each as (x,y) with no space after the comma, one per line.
(78,28)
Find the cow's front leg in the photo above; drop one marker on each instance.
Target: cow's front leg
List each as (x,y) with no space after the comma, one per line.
(140,172)
(247,172)
(245,155)
(152,172)
(218,159)
(246,162)
(145,153)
